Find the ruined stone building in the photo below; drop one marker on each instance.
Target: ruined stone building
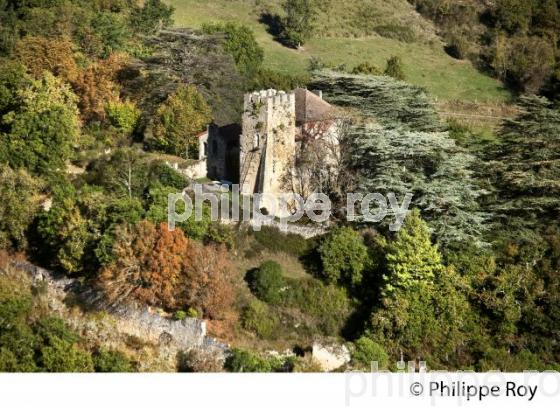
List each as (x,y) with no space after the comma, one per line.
(259,153)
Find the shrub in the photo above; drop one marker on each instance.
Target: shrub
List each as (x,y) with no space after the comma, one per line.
(200,361)
(244,361)
(344,256)
(367,351)
(395,68)
(220,234)
(63,358)
(161,173)
(59,352)
(193,313)
(367,68)
(330,305)
(273,239)
(257,317)
(266,282)
(112,361)
(180,315)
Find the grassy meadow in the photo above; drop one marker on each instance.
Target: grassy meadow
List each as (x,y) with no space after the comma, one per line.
(344,36)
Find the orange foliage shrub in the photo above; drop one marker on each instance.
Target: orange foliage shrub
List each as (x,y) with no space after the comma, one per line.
(40,54)
(96,86)
(163,268)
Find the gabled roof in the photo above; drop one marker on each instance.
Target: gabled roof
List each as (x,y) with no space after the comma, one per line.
(310,107)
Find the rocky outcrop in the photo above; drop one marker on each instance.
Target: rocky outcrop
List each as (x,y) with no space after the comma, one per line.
(127,320)
(330,357)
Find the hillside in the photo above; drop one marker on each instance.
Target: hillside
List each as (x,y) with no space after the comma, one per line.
(347,33)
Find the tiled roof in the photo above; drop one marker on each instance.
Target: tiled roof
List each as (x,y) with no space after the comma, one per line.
(310,107)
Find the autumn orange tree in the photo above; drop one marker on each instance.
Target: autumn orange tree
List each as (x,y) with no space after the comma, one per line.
(40,54)
(209,288)
(164,268)
(97,86)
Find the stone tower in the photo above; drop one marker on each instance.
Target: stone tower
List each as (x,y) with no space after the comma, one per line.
(267,143)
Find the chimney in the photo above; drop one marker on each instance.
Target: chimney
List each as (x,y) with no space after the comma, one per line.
(318,93)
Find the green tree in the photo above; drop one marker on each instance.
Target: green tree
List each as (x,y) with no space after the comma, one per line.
(394,104)
(430,166)
(178,120)
(43,130)
(153,16)
(298,22)
(112,31)
(123,115)
(526,165)
(241,45)
(19,205)
(65,231)
(411,256)
(344,257)
(13,79)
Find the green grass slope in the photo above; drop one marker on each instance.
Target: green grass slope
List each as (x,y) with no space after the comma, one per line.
(347,34)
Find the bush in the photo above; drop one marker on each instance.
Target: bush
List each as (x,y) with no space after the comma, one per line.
(257,317)
(330,305)
(63,358)
(344,256)
(244,361)
(200,361)
(112,361)
(220,234)
(180,315)
(273,239)
(395,68)
(266,282)
(161,173)
(367,68)
(367,351)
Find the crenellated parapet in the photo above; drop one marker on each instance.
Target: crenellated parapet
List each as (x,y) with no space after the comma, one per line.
(272,99)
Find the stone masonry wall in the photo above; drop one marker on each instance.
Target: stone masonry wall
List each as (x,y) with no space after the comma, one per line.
(267,144)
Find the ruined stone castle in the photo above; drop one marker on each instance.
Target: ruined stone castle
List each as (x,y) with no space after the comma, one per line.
(259,153)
